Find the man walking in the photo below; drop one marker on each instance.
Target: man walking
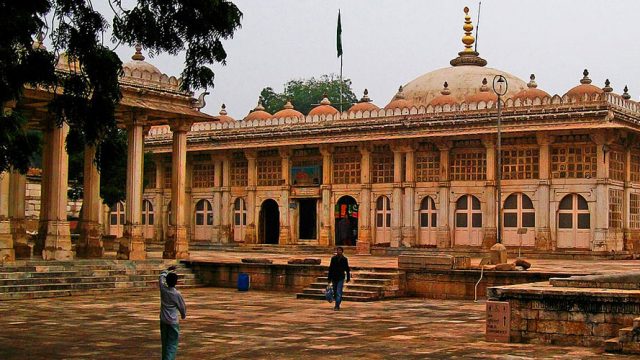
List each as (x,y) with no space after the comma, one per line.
(337,269)
(171,303)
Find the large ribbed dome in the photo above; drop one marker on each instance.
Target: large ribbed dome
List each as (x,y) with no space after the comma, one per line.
(463,82)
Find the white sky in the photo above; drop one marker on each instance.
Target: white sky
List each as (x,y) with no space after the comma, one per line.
(387,43)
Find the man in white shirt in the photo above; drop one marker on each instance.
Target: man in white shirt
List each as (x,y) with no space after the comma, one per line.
(171,302)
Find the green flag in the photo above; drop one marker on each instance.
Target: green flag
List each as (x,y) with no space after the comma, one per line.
(339,36)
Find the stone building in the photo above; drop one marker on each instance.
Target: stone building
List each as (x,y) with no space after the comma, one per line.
(419,172)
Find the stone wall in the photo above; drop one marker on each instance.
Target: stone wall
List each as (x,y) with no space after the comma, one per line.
(541,313)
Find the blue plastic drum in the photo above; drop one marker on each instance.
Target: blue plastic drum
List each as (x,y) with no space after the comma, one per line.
(243,282)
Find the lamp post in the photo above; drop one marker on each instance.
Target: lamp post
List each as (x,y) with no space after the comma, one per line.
(500,87)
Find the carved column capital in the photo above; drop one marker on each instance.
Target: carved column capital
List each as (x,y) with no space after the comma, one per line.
(180,124)
(443,145)
(134,118)
(544,138)
(251,154)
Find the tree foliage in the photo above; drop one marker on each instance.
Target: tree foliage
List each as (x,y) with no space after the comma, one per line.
(305,94)
(87,95)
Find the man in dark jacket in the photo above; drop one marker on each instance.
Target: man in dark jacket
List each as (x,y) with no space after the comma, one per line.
(337,269)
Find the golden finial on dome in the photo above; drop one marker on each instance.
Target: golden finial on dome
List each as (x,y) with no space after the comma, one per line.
(365,97)
(607,86)
(532,82)
(625,94)
(484,87)
(223,110)
(138,55)
(445,89)
(467,39)
(399,94)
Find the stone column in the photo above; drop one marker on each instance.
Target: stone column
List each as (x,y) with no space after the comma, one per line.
(57,241)
(490,212)
(252,181)
(601,230)
(225,229)
(409,185)
(327,172)
(7,253)
(544,239)
(17,192)
(363,246)
(627,238)
(177,245)
(132,243)
(217,200)
(90,243)
(285,228)
(443,234)
(396,204)
(158,211)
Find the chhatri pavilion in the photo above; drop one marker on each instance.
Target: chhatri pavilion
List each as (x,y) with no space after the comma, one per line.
(418,172)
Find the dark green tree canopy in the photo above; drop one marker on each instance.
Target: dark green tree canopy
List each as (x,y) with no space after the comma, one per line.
(91,91)
(305,94)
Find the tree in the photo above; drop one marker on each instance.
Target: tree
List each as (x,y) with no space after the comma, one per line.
(90,92)
(305,94)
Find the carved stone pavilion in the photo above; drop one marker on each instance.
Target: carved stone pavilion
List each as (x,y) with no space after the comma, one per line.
(419,172)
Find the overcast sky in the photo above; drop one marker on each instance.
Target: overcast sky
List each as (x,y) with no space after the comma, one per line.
(387,43)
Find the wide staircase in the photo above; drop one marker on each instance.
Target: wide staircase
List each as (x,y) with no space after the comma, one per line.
(628,340)
(367,284)
(44,279)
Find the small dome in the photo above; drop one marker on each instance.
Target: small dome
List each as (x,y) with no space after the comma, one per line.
(364,104)
(483,95)
(224,118)
(585,87)
(288,112)
(399,101)
(258,113)
(532,91)
(324,108)
(445,97)
(137,63)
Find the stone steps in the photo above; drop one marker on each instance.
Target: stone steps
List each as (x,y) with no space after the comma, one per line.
(40,279)
(627,342)
(365,285)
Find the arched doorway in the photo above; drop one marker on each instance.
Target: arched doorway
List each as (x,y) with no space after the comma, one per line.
(346,226)
(116,219)
(428,222)
(239,219)
(574,222)
(383,220)
(269,222)
(468,221)
(204,220)
(518,213)
(148,219)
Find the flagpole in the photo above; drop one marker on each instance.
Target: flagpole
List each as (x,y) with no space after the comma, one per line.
(340,83)
(340,54)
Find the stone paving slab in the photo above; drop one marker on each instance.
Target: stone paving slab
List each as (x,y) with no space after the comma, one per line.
(226,324)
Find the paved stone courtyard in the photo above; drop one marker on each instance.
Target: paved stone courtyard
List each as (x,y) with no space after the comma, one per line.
(223,324)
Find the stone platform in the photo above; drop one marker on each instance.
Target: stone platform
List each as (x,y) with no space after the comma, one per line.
(226,324)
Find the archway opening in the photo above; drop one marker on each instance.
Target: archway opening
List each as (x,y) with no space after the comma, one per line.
(307,221)
(269,222)
(346,226)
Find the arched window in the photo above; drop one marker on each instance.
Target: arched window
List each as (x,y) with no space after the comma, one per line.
(428,221)
(574,222)
(518,213)
(204,212)
(147,213)
(383,220)
(239,219)
(468,221)
(116,219)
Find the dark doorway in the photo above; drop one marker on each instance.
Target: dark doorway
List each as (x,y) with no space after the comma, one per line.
(269,222)
(308,221)
(346,214)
